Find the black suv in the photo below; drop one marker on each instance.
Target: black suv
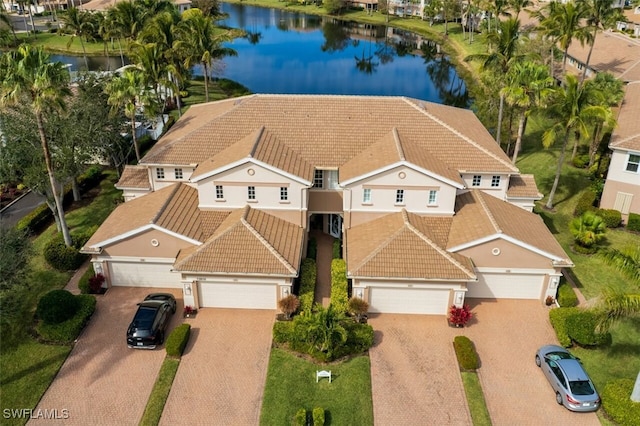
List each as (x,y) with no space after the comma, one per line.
(147,329)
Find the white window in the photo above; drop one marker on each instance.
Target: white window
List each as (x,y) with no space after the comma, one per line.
(178,173)
(251,192)
(477,179)
(318,179)
(332,178)
(495,181)
(219,192)
(160,173)
(400,196)
(366,195)
(284,193)
(633,163)
(433,197)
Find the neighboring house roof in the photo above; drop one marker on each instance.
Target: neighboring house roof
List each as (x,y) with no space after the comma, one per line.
(101,5)
(327,131)
(405,246)
(627,135)
(481,217)
(613,53)
(134,177)
(248,241)
(523,186)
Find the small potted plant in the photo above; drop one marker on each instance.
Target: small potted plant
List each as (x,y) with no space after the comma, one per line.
(549,301)
(189,311)
(459,316)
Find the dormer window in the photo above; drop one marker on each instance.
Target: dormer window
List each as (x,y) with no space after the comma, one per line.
(160,173)
(318,179)
(495,181)
(477,180)
(178,174)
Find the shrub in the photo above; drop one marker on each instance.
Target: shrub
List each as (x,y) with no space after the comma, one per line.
(633,224)
(289,305)
(57,306)
(617,403)
(566,296)
(466,353)
(358,307)
(83,284)
(359,339)
(177,340)
(558,318)
(459,316)
(312,248)
(581,161)
(308,276)
(64,258)
(585,202)
(36,221)
(300,419)
(318,416)
(588,229)
(581,327)
(612,218)
(95,283)
(90,178)
(339,286)
(283,331)
(337,249)
(69,330)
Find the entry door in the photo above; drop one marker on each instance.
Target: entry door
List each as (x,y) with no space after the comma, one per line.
(335,225)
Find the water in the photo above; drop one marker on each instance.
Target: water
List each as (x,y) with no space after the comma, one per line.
(288,52)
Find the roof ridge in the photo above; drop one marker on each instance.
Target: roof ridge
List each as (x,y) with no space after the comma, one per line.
(424,111)
(166,203)
(263,240)
(485,207)
(256,142)
(379,248)
(396,139)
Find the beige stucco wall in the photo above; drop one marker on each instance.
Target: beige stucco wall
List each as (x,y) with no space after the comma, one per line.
(352,219)
(511,256)
(169,176)
(140,245)
(325,201)
(611,189)
(298,217)
(617,168)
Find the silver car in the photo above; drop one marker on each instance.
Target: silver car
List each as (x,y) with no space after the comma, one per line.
(567,377)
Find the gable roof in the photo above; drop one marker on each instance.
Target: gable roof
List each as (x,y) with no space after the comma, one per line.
(614,53)
(481,217)
(248,241)
(523,186)
(405,246)
(326,131)
(134,177)
(627,134)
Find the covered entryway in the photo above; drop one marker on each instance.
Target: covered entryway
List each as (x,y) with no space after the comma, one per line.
(237,295)
(408,300)
(143,274)
(506,286)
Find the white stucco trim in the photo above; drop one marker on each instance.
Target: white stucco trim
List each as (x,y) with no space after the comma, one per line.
(134,259)
(140,230)
(523,271)
(250,160)
(407,164)
(506,238)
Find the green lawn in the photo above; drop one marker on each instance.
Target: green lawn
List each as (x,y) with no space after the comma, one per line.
(291,385)
(160,392)
(57,43)
(475,399)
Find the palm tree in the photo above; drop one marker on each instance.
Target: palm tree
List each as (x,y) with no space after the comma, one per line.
(600,14)
(571,108)
(528,87)
(615,306)
(28,75)
(79,23)
(114,29)
(150,60)
(200,44)
(503,53)
(324,330)
(5,19)
(127,19)
(588,229)
(518,5)
(626,260)
(612,91)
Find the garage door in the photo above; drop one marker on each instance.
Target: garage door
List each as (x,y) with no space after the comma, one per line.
(147,274)
(408,300)
(236,295)
(506,286)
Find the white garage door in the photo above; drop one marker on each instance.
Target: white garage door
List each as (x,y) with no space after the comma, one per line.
(147,274)
(237,295)
(408,300)
(506,286)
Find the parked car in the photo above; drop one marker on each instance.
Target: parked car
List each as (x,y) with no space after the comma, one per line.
(567,377)
(149,324)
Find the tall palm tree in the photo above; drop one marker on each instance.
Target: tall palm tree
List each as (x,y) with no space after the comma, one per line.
(199,43)
(626,260)
(503,53)
(600,14)
(612,91)
(28,75)
(127,19)
(615,306)
(519,5)
(528,87)
(79,23)
(114,29)
(571,108)
(150,60)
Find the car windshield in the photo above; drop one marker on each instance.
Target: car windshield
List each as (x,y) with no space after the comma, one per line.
(559,355)
(144,318)
(581,387)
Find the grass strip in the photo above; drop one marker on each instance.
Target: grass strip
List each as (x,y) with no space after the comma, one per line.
(160,392)
(475,399)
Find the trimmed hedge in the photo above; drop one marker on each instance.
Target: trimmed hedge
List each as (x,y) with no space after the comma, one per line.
(585,202)
(617,403)
(612,218)
(283,331)
(177,340)
(308,276)
(566,296)
(339,286)
(64,258)
(57,306)
(581,327)
(337,249)
(318,416)
(558,318)
(633,224)
(69,330)
(312,248)
(83,284)
(300,419)
(466,353)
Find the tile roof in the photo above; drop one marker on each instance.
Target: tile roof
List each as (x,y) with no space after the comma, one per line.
(100,5)
(326,131)
(523,186)
(404,246)
(613,53)
(248,241)
(627,134)
(479,215)
(134,177)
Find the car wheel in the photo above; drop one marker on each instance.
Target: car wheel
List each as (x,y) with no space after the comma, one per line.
(538,362)
(558,398)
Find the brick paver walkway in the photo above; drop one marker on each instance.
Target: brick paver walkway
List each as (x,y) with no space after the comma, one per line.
(222,373)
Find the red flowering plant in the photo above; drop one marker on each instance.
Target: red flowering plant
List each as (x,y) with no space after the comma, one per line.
(459,316)
(189,310)
(95,283)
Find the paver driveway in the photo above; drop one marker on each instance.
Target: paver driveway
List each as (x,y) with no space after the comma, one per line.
(221,377)
(507,334)
(103,382)
(414,373)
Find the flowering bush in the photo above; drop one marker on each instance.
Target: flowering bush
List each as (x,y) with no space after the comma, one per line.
(95,283)
(189,310)
(459,316)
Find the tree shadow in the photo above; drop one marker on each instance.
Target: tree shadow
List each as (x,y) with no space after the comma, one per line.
(34,368)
